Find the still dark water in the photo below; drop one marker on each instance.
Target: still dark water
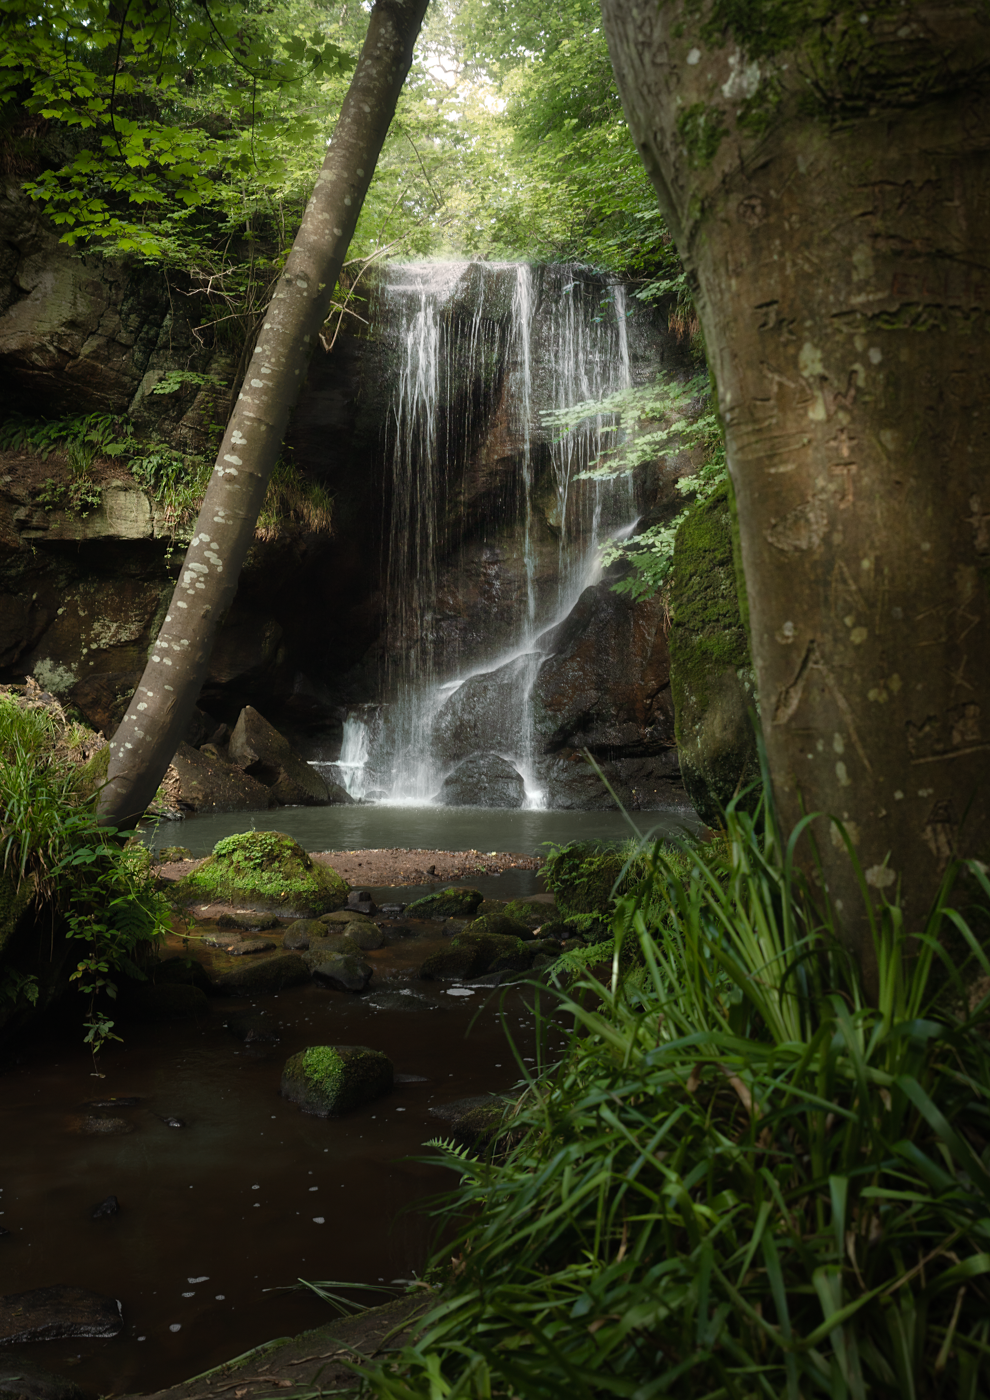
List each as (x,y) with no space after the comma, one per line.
(360,828)
(217,1217)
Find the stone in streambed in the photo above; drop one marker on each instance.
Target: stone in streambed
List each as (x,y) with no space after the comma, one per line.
(474,1121)
(99,1125)
(106,1208)
(332,1079)
(23,1378)
(501,924)
(451,903)
(251,945)
(266,975)
(367,937)
(345,973)
(266,869)
(251,1028)
(345,916)
(300,933)
(262,752)
(45,1314)
(471,954)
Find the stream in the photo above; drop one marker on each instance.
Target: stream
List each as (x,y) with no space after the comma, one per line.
(219,1218)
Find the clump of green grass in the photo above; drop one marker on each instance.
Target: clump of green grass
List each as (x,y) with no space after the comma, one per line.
(743,1179)
(89,891)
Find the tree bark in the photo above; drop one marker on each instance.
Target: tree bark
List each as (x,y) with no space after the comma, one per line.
(150,731)
(825,172)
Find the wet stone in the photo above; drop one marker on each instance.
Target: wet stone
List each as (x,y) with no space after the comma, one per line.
(251,945)
(345,916)
(392,911)
(366,937)
(332,1079)
(252,1028)
(106,1208)
(345,973)
(45,1314)
(22,1377)
(171,1121)
(96,1125)
(301,932)
(403,1001)
(267,975)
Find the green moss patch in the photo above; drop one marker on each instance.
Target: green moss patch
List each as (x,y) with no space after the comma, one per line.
(582,876)
(451,903)
(265,869)
(332,1079)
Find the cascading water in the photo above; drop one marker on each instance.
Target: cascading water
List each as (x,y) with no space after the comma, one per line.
(486,348)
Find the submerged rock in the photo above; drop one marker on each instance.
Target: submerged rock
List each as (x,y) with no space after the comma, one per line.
(267,869)
(267,975)
(107,1207)
(22,1377)
(450,903)
(483,780)
(333,1079)
(473,953)
(345,972)
(164,1001)
(100,1125)
(45,1314)
(251,945)
(251,1028)
(474,1121)
(346,916)
(500,923)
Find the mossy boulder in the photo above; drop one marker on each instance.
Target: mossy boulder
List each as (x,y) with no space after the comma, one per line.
(500,923)
(451,903)
(346,916)
(582,876)
(265,976)
(711,671)
(345,972)
(474,953)
(332,1079)
(301,933)
(268,870)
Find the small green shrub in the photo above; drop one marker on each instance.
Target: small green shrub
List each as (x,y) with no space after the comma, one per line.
(50,839)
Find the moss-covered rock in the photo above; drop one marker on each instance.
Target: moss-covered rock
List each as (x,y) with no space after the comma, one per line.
(168,854)
(345,972)
(501,924)
(451,903)
(711,671)
(346,916)
(332,1079)
(265,976)
(582,876)
(266,869)
(472,954)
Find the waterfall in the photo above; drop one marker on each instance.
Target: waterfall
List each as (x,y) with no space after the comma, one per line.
(480,352)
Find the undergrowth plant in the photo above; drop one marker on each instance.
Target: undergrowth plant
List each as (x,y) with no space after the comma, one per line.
(98,894)
(743,1179)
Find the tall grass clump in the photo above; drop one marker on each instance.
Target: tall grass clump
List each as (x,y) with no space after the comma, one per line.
(96,899)
(744,1178)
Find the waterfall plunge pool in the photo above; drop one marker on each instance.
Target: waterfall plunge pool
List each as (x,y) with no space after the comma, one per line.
(363,827)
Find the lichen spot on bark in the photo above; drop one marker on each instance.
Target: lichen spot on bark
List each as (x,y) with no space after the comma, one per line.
(237,437)
(233,459)
(693,58)
(257,383)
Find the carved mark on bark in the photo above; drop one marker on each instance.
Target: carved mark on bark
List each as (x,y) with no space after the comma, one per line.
(789,698)
(802,528)
(940,832)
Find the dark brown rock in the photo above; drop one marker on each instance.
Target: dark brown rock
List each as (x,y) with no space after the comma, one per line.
(258,748)
(45,1314)
(213,785)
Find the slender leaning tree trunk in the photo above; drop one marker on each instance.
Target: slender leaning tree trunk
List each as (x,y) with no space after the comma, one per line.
(150,731)
(825,171)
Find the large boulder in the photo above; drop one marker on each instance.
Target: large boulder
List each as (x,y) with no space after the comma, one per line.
(208,784)
(264,977)
(261,751)
(263,870)
(483,780)
(475,952)
(450,903)
(331,1079)
(712,675)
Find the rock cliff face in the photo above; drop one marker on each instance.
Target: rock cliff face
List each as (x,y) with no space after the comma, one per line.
(320,626)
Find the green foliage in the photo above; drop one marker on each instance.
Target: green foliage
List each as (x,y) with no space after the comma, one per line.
(83,437)
(49,836)
(585,877)
(78,497)
(688,423)
(743,1179)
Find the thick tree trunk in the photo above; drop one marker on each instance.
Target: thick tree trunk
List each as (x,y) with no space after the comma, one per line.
(150,731)
(827,181)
